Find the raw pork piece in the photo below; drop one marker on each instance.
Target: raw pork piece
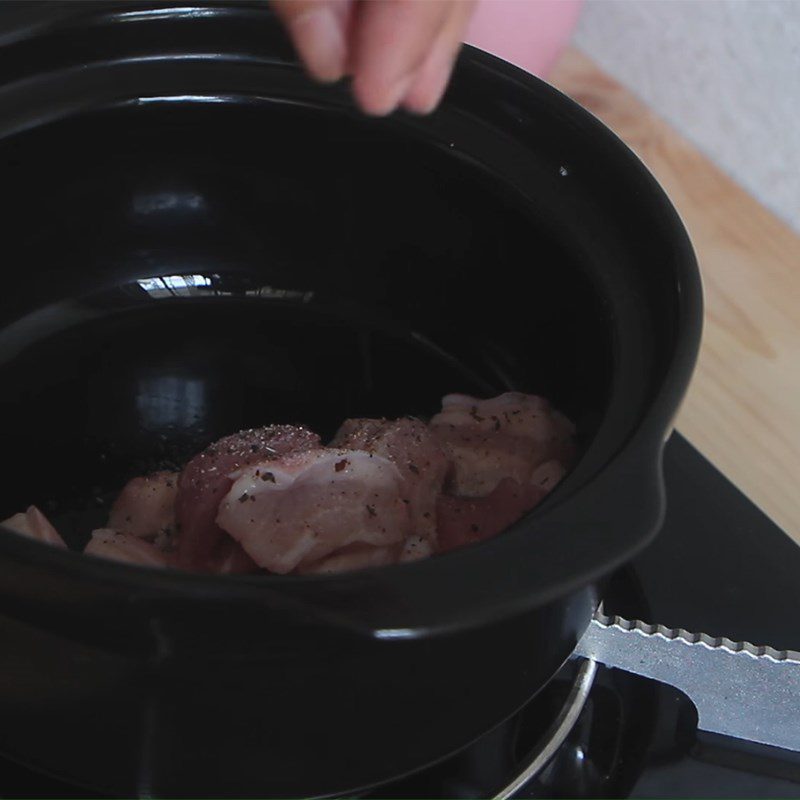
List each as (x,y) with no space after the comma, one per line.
(466,520)
(508,436)
(355,556)
(417,547)
(35,525)
(410,445)
(548,475)
(146,506)
(205,480)
(231,559)
(146,509)
(296,510)
(125,547)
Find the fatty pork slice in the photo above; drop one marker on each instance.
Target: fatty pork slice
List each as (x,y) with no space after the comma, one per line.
(410,445)
(295,511)
(146,507)
(508,436)
(126,548)
(34,525)
(206,479)
(467,520)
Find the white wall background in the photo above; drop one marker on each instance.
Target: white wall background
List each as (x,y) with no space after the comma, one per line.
(726,73)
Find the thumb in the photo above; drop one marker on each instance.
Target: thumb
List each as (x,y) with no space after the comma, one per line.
(318,30)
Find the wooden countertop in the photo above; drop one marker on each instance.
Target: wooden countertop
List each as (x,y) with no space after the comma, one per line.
(743,408)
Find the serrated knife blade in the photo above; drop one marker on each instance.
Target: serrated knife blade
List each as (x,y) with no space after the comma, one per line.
(741,690)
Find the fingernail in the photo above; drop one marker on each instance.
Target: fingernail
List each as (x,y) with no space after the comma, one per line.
(319,38)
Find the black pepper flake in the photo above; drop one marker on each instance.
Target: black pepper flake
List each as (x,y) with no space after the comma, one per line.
(371,511)
(243,498)
(252,498)
(545,480)
(427,515)
(268,476)
(340,465)
(254,448)
(497,424)
(474,528)
(414,468)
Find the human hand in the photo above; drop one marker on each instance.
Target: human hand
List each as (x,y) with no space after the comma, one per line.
(400,53)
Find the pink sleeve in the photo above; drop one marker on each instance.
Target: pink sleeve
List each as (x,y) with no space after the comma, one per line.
(529,33)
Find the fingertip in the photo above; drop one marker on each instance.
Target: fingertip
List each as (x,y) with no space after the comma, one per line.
(434,75)
(319,37)
(424,102)
(379,100)
(426,93)
(391,41)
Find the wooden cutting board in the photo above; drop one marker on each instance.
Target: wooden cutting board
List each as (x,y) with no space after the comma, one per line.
(743,408)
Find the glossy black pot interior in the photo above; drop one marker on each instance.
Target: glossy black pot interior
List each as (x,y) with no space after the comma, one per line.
(196,239)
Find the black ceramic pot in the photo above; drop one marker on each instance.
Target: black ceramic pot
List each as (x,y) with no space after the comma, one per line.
(195,239)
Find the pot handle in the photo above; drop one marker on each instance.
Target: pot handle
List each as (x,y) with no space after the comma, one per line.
(740,690)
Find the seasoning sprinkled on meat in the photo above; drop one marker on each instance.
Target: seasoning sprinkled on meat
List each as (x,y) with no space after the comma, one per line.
(508,436)
(383,492)
(306,517)
(145,506)
(407,443)
(206,480)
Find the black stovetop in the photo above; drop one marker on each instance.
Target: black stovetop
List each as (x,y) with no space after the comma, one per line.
(720,566)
